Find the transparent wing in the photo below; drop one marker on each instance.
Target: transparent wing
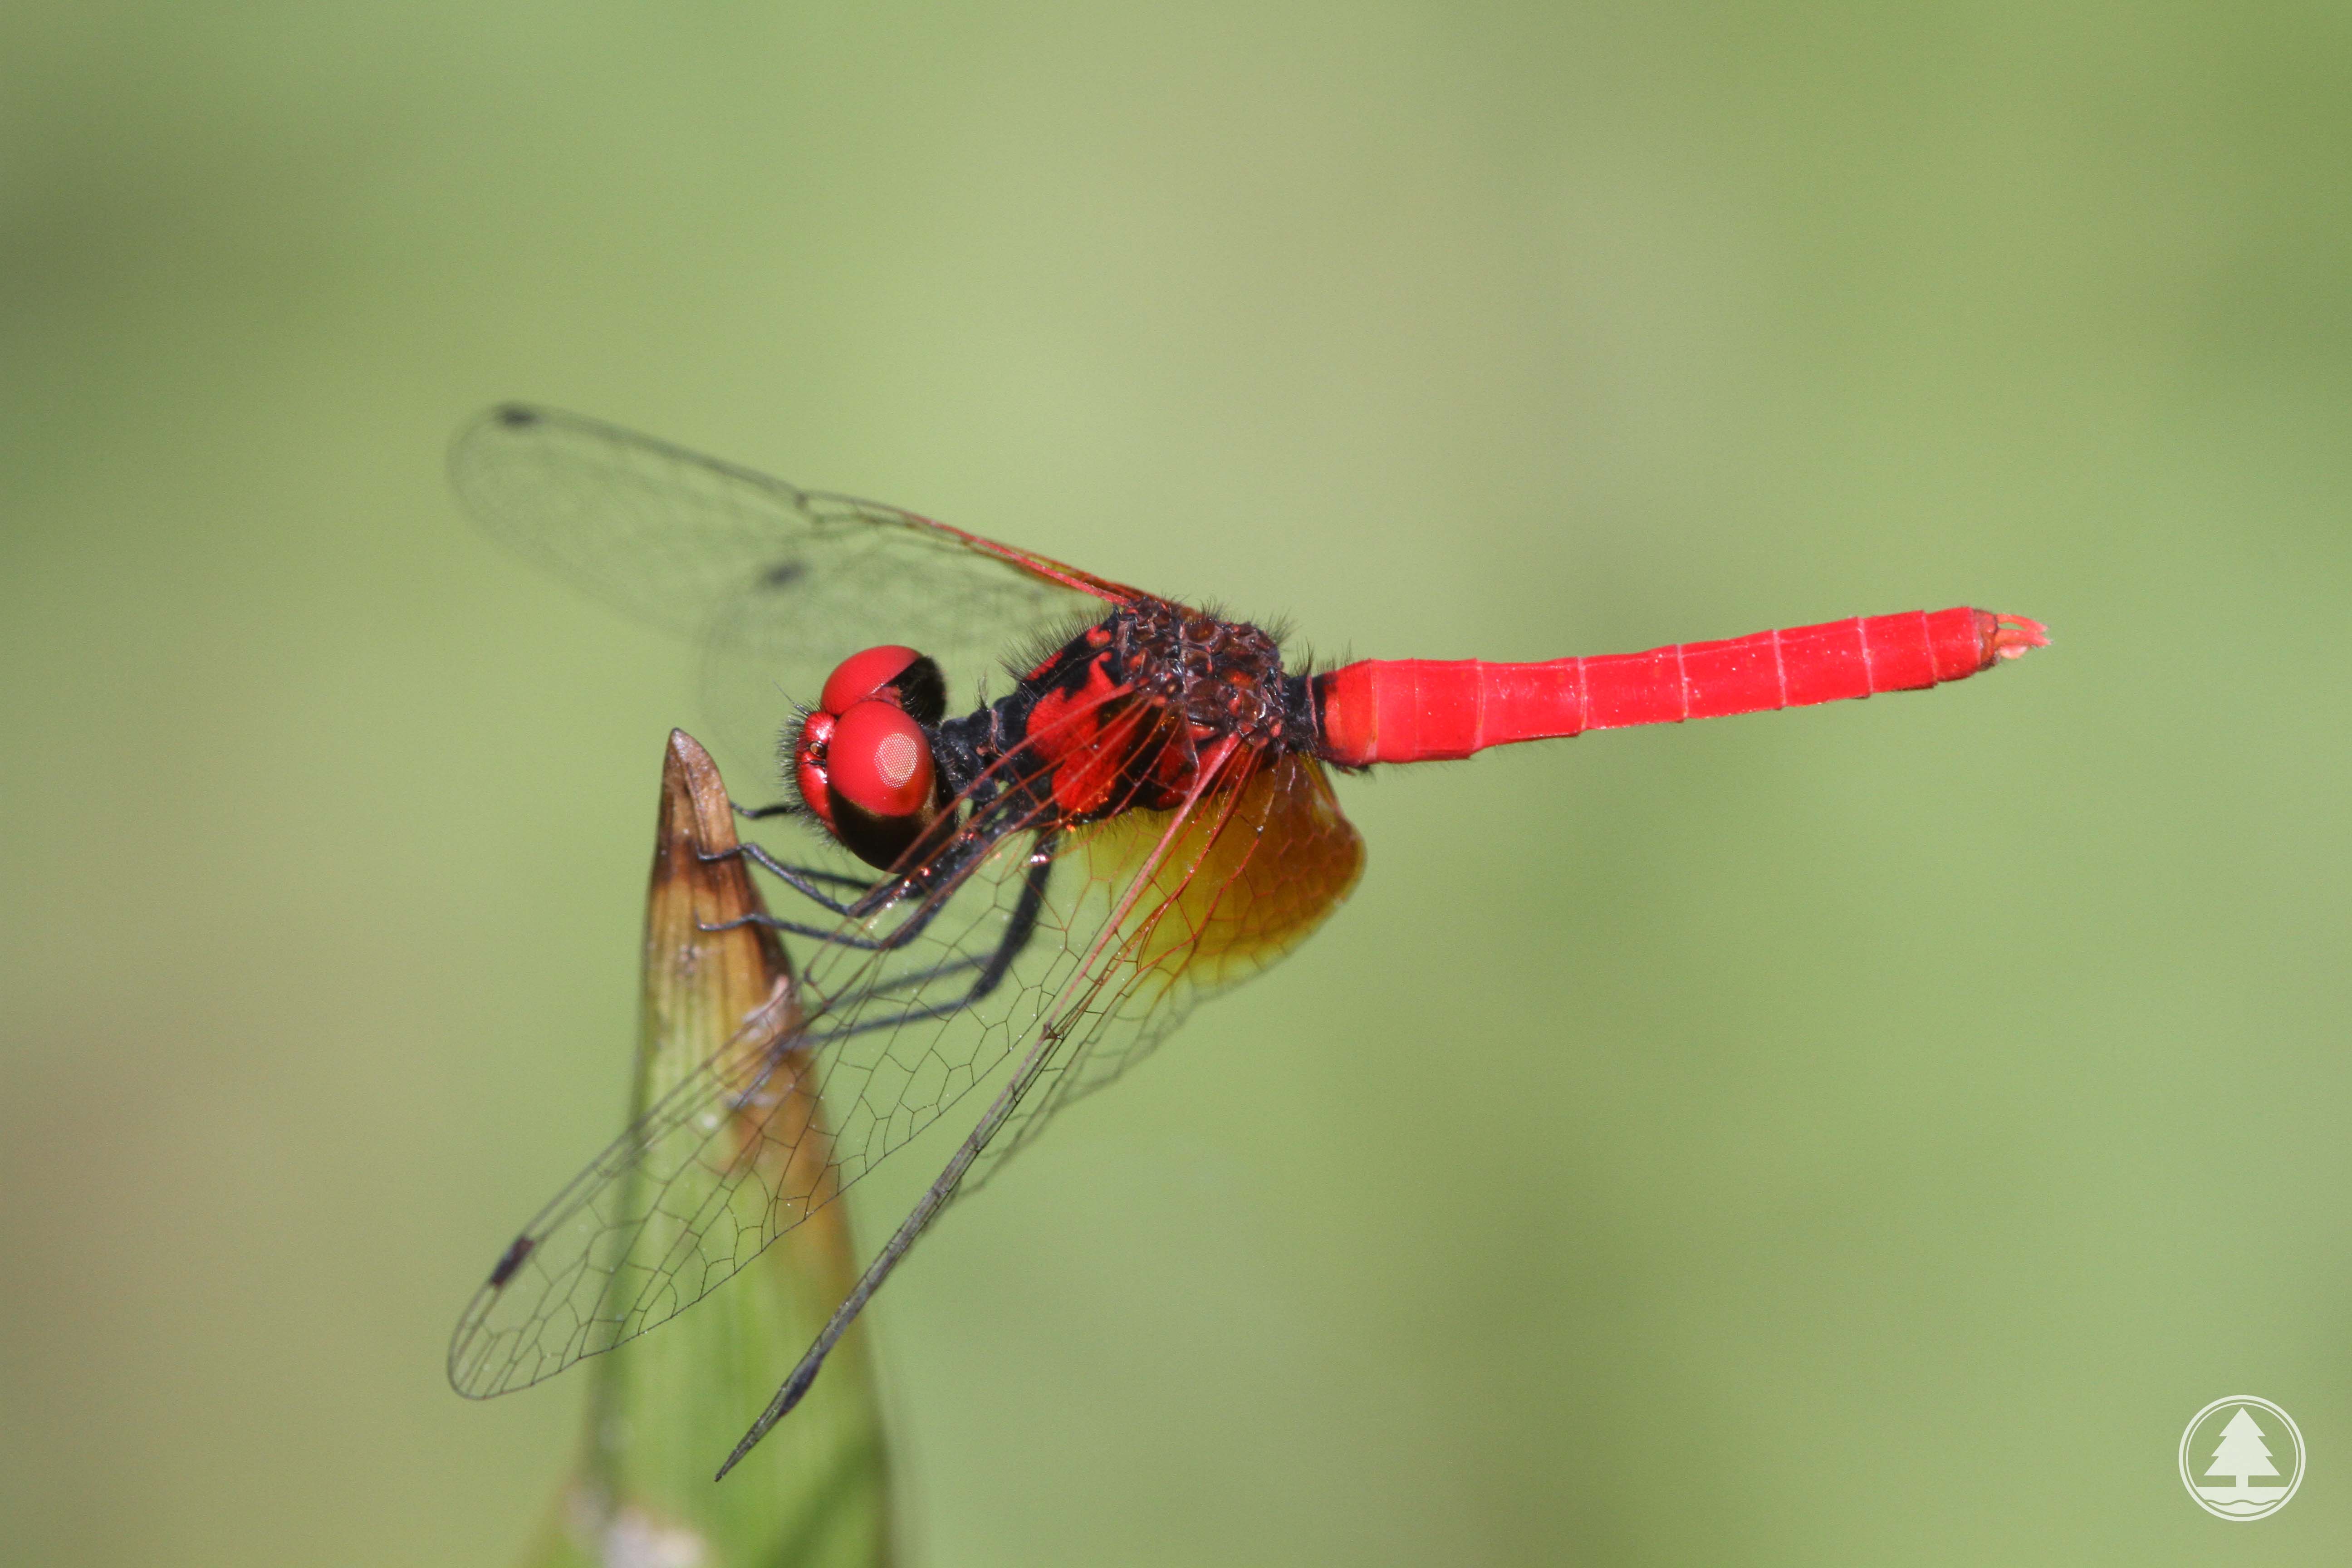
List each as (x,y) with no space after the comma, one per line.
(777,583)
(1093,943)
(1232,904)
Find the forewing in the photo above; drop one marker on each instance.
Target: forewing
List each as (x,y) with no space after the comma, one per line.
(718,1166)
(1068,949)
(779,583)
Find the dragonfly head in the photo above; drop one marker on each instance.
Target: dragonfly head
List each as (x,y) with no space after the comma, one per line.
(862,757)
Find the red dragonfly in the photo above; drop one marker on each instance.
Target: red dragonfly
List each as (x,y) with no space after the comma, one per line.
(1050,879)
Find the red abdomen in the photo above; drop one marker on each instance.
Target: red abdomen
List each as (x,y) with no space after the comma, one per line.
(1412,711)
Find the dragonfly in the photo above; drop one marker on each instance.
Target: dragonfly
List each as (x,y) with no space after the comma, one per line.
(1024,893)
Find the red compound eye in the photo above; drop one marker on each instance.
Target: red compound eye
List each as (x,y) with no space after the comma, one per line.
(809,765)
(878,760)
(861,674)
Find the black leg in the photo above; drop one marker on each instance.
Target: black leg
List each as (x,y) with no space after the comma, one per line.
(922,978)
(832,936)
(803,879)
(959,853)
(1019,932)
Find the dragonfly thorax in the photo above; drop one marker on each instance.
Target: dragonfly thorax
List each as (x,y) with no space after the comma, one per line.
(1118,717)
(1225,677)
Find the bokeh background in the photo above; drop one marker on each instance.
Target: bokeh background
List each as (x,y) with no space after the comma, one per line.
(1864,1135)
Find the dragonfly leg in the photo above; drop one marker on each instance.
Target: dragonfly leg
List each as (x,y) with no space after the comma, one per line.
(797,875)
(803,879)
(832,935)
(1049,1039)
(923,977)
(829,934)
(762,813)
(1019,932)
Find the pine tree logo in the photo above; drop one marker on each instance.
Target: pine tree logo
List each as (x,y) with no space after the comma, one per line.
(2242,1457)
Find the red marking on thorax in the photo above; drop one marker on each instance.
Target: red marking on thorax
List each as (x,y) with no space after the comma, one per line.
(1066,730)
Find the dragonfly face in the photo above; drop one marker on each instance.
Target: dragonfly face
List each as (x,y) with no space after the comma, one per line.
(862,758)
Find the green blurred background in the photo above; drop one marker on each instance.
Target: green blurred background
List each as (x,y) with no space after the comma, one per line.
(1864,1135)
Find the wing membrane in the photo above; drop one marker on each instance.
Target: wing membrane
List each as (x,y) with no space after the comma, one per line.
(1097,941)
(1231,902)
(778,584)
